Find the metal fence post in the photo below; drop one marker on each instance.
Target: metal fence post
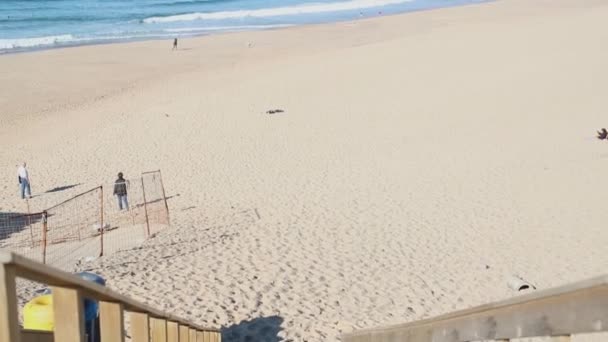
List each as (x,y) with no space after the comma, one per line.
(101,227)
(44,233)
(143,190)
(164,196)
(29,221)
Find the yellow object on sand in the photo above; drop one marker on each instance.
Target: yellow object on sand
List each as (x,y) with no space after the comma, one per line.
(38,314)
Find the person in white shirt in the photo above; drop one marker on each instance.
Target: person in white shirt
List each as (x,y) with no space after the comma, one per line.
(24,181)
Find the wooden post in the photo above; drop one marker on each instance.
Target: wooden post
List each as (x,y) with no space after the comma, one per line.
(159,330)
(111,321)
(200,337)
(68,314)
(172,332)
(164,196)
(9,319)
(184,334)
(192,332)
(143,190)
(44,230)
(101,220)
(207,336)
(140,327)
(219,337)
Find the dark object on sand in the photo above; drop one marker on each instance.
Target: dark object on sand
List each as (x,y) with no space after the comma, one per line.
(274,111)
(603,134)
(175,44)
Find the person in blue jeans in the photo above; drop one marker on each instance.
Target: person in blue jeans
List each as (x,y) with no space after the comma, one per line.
(24,181)
(120,191)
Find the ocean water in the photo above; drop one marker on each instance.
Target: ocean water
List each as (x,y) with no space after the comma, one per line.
(35,24)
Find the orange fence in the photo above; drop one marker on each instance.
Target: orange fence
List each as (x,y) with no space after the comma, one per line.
(89,224)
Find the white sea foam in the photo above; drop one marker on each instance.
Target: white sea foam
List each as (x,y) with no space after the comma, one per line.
(225,28)
(34,42)
(278,11)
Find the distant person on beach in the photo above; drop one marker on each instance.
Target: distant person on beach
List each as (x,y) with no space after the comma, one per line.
(120,191)
(24,181)
(175,44)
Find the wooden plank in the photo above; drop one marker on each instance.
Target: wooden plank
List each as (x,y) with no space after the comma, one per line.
(559,339)
(172,332)
(28,269)
(140,327)
(207,336)
(9,320)
(159,329)
(575,311)
(184,333)
(36,336)
(111,321)
(215,336)
(68,315)
(199,336)
(192,334)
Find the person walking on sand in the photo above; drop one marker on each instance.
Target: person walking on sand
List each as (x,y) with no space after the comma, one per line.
(24,181)
(175,44)
(120,191)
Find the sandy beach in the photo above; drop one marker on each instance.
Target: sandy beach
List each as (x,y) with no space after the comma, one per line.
(419,161)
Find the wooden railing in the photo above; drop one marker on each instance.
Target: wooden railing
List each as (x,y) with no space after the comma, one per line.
(147,324)
(558,313)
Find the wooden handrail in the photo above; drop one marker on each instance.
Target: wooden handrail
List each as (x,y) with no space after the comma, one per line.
(563,311)
(13,266)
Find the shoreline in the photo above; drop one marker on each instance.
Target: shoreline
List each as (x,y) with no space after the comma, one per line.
(111,41)
(99,58)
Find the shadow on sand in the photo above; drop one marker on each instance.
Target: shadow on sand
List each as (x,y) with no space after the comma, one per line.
(62,188)
(13,223)
(262,329)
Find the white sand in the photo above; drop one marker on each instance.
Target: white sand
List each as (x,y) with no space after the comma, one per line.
(421,159)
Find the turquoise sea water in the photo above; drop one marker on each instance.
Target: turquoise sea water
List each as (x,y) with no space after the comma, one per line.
(31,24)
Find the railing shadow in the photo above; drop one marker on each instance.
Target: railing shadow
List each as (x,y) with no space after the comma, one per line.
(262,329)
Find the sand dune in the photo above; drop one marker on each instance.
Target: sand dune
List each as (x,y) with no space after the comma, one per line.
(420,160)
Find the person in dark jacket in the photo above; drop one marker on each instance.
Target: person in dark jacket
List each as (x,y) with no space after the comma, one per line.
(120,191)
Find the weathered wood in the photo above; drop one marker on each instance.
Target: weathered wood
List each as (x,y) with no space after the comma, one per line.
(207,336)
(184,333)
(9,321)
(111,322)
(192,334)
(28,269)
(140,327)
(199,336)
(36,336)
(172,332)
(574,309)
(560,339)
(68,315)
(159,329)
